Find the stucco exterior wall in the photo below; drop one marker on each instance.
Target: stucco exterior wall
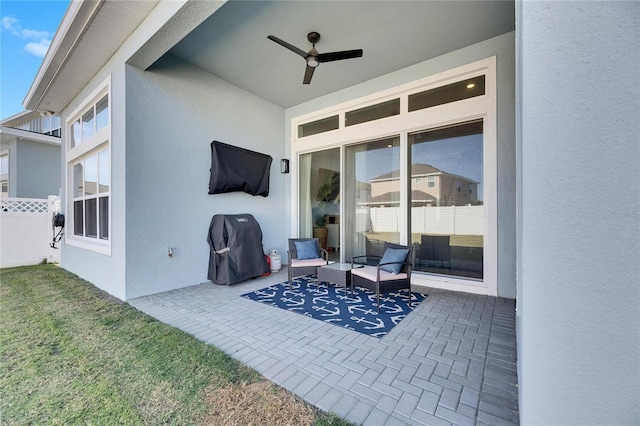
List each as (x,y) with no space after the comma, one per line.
(174,111)
(108,272)
(37,169)
(503,47)
(578,318)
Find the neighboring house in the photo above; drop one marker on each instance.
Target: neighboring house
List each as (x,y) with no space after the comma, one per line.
(429,187)
(30,155)
(542,91)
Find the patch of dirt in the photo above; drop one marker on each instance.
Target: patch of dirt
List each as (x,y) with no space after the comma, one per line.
(260,403)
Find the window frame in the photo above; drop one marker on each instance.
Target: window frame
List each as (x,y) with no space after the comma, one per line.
(483,107)
(88,147)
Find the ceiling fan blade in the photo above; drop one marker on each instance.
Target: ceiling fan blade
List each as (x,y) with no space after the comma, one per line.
(337,56)
(288,46)
(308,74)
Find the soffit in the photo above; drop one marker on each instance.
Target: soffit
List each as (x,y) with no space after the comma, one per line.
(84,48)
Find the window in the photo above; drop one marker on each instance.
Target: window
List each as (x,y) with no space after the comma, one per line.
(91,196)
(417,173)
(445,94)
(92,121)
(318,126)
(51,126)
(319,195)
(91,177)
(102,113)
(89,165)
(4,175)
(76,133)
(448,231)
(88,125)
(372,187)
(373,112)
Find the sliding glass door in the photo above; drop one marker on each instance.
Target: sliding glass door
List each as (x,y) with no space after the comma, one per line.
(319,198)
(447,212)
(372,203)
(414,165)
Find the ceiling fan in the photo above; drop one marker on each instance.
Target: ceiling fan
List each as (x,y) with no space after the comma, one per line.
(314,58)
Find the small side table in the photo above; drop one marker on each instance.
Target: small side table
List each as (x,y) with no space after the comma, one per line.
(337,273)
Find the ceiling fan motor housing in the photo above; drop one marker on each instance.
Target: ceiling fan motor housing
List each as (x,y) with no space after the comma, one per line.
(313,37)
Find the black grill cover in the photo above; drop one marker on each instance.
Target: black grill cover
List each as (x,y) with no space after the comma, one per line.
(238,169)
(236,249)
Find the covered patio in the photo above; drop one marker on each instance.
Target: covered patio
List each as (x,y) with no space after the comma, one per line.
(559,131)
(450,361)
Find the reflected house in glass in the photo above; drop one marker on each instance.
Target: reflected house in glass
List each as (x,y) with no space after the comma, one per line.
(446,228)
(429,187)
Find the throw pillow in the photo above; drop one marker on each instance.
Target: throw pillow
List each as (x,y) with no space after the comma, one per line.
(307,249)
(393,255)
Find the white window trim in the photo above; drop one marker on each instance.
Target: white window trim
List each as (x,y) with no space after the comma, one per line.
(480,107)
(90,146)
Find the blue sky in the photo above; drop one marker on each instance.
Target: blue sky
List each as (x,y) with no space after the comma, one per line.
(26,30)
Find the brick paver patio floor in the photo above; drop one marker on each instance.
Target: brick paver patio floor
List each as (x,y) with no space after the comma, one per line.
(451,361)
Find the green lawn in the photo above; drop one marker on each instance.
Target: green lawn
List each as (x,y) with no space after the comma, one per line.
(71,354)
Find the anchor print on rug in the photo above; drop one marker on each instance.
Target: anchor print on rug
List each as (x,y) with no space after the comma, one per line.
(336,306)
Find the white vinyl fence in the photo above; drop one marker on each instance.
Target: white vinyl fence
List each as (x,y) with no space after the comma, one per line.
(25,231)
(451,220)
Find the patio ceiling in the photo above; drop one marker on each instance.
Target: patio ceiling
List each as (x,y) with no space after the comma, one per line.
(229,40)
(232,43)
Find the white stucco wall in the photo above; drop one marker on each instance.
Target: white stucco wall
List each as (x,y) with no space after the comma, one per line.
(503,47)
(106,272)
(578,318)
(163,27)
(174,111)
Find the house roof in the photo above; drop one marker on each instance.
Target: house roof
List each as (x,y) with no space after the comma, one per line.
(229,40)
(19,118)
(8,134)
(416,170)
(89,34)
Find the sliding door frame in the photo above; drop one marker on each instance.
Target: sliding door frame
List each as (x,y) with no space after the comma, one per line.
(482,107)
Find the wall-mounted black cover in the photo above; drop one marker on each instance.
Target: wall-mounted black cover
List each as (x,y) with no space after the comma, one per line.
(238,169)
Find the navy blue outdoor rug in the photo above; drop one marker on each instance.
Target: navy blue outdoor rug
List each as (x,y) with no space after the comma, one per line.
(332,305)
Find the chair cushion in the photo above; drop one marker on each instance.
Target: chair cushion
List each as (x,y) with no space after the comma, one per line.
(307,249)
(394,255)
(297,263)
(369,273)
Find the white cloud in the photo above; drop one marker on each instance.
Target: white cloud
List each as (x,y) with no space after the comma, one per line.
(38,49)
(42,38)
(10,23)
(35,34)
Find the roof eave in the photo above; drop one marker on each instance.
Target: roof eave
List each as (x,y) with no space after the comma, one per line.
(73,25)
(19,118)
(29,136)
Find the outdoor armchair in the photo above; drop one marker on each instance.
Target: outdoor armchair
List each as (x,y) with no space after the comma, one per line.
(391,271)
(305,257)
